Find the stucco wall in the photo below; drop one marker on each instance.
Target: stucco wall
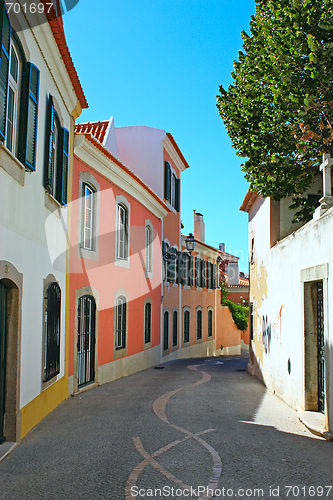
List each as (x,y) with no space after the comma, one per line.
(277,293)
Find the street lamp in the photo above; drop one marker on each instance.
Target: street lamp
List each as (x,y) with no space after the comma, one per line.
(172,253)
(190,243)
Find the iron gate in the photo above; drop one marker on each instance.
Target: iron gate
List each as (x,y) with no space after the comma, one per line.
(86,336)
(3,343)
(320,347)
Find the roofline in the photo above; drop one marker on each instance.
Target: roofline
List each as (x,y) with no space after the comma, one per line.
(175,145)
(248,201)
(205,245)
(109,155)
(57,28)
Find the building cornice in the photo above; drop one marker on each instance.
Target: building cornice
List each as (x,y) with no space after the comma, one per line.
(248,201)
(92,153)
(173,150)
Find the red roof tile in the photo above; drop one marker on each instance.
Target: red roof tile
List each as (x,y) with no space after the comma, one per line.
(57,28)
(96,129)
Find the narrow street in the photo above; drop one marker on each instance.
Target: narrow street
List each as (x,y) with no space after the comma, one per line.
(192,425)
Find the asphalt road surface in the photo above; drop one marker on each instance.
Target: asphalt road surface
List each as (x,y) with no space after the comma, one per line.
(197,428)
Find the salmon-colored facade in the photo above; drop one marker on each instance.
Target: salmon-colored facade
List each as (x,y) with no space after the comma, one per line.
(98,278)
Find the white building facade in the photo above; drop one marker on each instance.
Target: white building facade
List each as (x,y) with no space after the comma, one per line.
(37,112)
(291,347)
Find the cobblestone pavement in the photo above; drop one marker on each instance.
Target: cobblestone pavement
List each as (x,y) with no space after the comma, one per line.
(199,428)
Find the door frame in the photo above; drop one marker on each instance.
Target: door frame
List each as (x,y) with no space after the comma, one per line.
(13,280)
(81,292)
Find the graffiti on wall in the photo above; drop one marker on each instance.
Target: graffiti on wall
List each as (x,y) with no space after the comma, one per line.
(271,330)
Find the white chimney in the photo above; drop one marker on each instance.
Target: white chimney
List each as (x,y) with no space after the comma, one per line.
(199,227)
(233,273)
(222,247)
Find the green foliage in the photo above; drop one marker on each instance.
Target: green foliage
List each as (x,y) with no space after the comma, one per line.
(279,109)
(240,314)
(224,290)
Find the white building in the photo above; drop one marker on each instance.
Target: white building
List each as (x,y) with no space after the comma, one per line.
(292,314)
(41,97)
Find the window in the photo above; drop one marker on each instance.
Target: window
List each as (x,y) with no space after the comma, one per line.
(122,240)
(199,324)
(174,328)
(19,89)
(171,187)
(166,331)
(56,163)
(171,267)
(13,100)
(88,217)
(148,249)
(186,326)
(199,272)
(147,323)
(210,323)
(120,323)
(52,332)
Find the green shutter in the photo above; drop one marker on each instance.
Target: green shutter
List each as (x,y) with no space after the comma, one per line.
(5,34)
(62,167)
(180,267)
(28,119)
(48,172)
(214,276)
(191,271)
(197,271)
(177,207)
(203,274)
(167,181)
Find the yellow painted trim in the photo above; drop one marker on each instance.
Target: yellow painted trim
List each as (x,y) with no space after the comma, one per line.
(43,404)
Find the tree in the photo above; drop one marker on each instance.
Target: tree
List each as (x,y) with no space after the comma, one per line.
(279,109)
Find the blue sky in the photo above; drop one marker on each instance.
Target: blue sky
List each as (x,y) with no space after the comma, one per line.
(160,63)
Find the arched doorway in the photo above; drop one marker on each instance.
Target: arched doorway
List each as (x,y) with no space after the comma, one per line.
(86,340)
(11,282)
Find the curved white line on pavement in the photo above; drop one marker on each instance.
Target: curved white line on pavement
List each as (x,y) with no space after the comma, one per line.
(159,407)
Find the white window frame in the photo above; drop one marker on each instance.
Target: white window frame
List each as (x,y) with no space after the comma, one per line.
(187,309)
(88,216)
(175,310)
(147,345)
(123,261)
(198,309)
(120,296)
(149,232)
(86,178)
(210,309)
(13,87)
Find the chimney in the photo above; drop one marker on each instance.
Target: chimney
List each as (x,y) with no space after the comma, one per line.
(199,227)
(222,247)
(233,273)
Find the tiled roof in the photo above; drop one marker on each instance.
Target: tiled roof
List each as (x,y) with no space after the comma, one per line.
(57,28)
(248,201)
(96,129)
(243,282)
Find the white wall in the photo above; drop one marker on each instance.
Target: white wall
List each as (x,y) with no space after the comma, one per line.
(23,238)
(140,148)
(277,293)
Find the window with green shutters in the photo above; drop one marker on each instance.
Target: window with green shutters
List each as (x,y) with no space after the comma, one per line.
(4,67)
(171,187)
(56,157)
(19,90)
